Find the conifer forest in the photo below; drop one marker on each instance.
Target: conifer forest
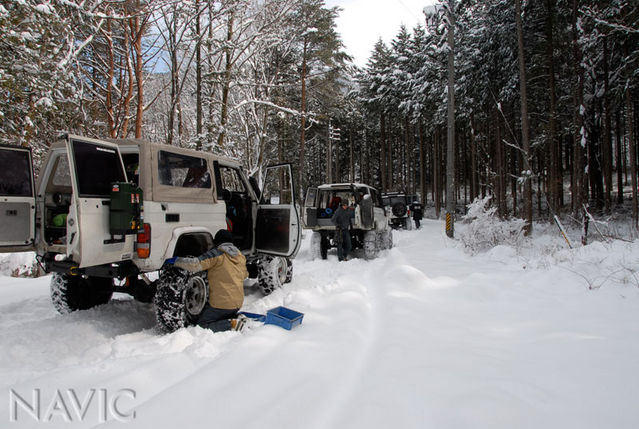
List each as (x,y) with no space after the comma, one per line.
(546,112)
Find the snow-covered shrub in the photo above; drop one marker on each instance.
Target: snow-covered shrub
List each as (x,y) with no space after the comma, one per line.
(486,230)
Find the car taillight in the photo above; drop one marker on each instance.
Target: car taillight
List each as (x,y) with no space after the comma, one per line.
(143,243)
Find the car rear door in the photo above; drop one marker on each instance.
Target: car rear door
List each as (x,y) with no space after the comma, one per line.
(17,200)
(277,229)
(95,166)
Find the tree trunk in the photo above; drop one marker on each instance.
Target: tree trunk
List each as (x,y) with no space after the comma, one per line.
(422,175)
(111,121)
(450,139)
(137,33)
(525,134)
(555,185)
(226,84)
(619,164)
(198,79)
(351,172)
(633,157)
(382,166)
(303,121)
(579,136)
(436,172)
(607,137)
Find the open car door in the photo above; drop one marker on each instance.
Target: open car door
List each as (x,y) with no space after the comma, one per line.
(17,200)
(95,165)
(277,229)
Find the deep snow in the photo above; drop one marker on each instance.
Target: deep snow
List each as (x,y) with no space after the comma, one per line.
(424,336)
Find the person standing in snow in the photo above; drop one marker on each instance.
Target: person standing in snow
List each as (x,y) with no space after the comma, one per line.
(226,270)
(418,212)
(342,220)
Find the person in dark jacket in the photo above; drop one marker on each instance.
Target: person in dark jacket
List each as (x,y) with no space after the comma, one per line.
(226,271)
(418,212)
(342,220)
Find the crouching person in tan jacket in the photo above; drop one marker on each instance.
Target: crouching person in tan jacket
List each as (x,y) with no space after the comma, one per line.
(226,271)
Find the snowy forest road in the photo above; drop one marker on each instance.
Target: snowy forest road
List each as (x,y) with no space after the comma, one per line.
(424,336)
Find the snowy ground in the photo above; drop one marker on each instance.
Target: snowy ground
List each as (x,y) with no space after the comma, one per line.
(425,336)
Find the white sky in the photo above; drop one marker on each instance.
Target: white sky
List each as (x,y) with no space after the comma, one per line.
(362,22)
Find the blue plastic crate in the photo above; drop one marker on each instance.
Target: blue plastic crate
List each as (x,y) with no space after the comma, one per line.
(254,316)
(284,317)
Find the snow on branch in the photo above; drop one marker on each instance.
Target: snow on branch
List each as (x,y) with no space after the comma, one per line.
(268,104)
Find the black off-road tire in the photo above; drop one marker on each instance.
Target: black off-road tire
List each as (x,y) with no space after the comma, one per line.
(72,293)
(273,272)
(399,209)
(289,271)
(371,249)
(324,244)
(385,239)
(180,298)
(319,245)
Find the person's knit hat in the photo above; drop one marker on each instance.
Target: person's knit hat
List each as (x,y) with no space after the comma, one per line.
(223,236)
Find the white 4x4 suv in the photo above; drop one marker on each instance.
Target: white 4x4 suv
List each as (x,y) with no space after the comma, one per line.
(369,229)
(103,214)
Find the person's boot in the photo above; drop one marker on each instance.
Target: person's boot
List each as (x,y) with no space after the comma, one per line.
(239,323)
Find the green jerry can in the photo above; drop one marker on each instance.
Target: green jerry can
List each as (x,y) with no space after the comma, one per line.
(125,214)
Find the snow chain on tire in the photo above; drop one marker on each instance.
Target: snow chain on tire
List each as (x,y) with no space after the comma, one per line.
(180,298)
(371,248)
(72,293)
(273,272)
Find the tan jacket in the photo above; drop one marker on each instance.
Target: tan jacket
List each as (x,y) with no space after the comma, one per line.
(226,270)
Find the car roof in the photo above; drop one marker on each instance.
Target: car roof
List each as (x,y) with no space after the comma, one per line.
(344,186)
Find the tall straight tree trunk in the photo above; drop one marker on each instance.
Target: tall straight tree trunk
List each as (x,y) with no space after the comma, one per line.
(389,159)
(137,33)
(555,184)
(619,163)
(579,136)
(437,172)
(422,175)
(111,121)
(172,30)
(473,159)
(124,131)
(633,157)
(382,122)
(226,84)
(351,172)
(607,137)
(525,134)
(450,139)
(303,121)
(198,78)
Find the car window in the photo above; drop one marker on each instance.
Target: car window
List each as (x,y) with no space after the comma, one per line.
(231,180)
(277,187)
(16,174)
(311,195)
(97,167)
(183,171)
